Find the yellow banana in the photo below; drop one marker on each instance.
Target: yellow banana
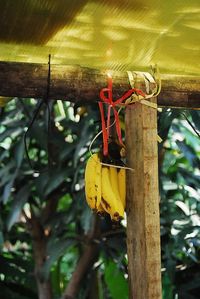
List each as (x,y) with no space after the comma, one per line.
(105,188)
(98,184)
(93,182)
(100,209)
(114,180)
(109,201)
(121,176)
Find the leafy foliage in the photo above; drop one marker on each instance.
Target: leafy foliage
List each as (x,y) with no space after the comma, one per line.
(180,197)
(48,209)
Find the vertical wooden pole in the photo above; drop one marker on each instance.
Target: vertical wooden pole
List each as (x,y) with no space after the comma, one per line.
(143,224)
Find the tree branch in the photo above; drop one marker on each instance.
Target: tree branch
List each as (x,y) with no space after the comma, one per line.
(85,262)
(40,255)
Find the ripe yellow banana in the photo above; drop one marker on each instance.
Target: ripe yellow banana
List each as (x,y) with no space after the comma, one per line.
(105,188)
(100,209)
(114,181)
(111,204)
(93,182)
(121,176)
(98,185)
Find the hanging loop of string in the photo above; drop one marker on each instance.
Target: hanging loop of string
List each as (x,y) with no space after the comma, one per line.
(130,97)
(36,113)
(112,104)
(108,164)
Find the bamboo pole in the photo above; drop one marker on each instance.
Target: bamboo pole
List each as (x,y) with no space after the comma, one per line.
(143,227)
(81,84)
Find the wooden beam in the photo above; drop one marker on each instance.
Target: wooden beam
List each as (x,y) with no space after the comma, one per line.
(143,219)
(81,84)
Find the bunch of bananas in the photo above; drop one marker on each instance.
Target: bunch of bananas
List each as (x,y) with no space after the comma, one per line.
(105,188)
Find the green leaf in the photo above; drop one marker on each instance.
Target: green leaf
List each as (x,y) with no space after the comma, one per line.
(86,218)
(19,152)
(167,287)
(117,284)
(183,207)
(190,178)
(40,183)
(55,180)
(9,269)
(83,138)
(3,153)
(165,121)
(38,132)
(17,205)
(6,171)
(55,249)
(12,132)
(7,191)
(1,240)
(196,118)
(14,290)
(189,153)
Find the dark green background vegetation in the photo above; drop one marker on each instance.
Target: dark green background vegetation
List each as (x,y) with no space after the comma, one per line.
(47,211)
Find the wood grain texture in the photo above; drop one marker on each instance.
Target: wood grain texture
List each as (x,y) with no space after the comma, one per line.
(81,84)
(143,224)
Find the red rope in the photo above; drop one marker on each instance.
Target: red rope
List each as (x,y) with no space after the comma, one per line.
(104,130)
(112,104)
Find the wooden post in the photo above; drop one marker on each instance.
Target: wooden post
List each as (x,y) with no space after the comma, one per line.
(143,227)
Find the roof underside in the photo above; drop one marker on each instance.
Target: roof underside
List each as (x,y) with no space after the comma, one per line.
(114,34)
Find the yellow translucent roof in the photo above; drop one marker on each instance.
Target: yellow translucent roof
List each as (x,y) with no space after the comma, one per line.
(114,34)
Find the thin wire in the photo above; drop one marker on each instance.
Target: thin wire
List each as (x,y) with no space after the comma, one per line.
(100,132)
(48,79)
(46,99)
(117,166)
(38,108)
(107,164)
(27,131)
